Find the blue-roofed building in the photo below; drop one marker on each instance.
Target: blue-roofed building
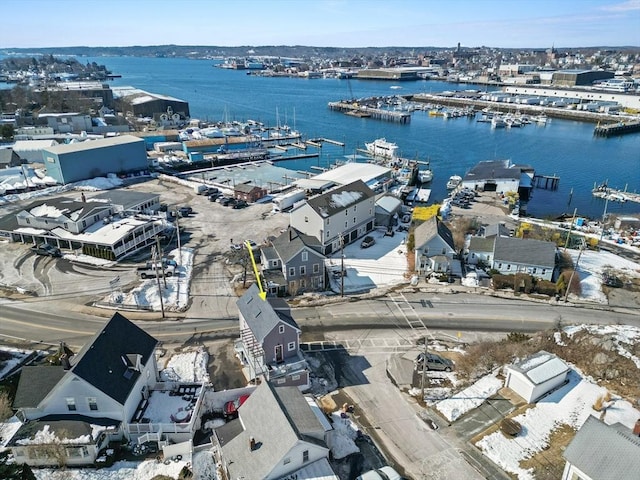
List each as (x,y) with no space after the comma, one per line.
(74,162)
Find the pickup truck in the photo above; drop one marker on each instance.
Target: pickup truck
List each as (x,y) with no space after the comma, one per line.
(149,270)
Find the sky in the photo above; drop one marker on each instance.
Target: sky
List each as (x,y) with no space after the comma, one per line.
(322,23)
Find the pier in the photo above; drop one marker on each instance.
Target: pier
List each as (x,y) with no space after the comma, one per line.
(614,195)
(619,128)
(360,110)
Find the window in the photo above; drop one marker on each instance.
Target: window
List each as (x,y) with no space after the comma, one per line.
(292,271)
(355,207)
(500,265)
(96,218)
(354,220)
(28,221)
(291,346)
(509,267)
(306,219)
(328,221)
(444,251)
(280,381)
(303,270)
(305,456)
(84,224)
(544,270)
(281,329)
(286,460)
(535,270)
(71,404)
(93,403)
(316,268)
(346,224)
(346,212)
(295,377)
(327,233)
(369,211)
(305,256)
(274,263)
(303,283)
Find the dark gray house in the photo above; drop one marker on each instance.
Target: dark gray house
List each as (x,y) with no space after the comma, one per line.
(293,264)
(9,158)
(603,452)
(269,345)
(276,435)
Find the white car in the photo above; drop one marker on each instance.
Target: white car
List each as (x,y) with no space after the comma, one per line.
(383,473)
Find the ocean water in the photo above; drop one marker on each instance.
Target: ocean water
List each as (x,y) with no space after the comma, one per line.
(564,148)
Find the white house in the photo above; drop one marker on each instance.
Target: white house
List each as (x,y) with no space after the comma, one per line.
(603,452)
(537,375)
(434,248)
(513,255)
(500,176)
(340,215)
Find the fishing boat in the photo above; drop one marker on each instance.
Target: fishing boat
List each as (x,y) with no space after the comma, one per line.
(454,181)
(383,149)
(425,175)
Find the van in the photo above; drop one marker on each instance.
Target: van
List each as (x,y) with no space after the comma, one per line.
(200,189)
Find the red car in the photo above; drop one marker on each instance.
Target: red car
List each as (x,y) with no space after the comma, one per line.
(231,407)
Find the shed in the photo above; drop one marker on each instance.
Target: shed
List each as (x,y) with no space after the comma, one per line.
(248,192)
(537,375)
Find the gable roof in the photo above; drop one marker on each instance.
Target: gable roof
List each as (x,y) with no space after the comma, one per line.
(340,198)
(9,157)
(605,452)
(291,241)
(496,229)
(104,362)
(276,418)
(525,251)
(260,315)
(540,367)
(431,228)
(481,244)
(62,207)
(35,384)
(388,204)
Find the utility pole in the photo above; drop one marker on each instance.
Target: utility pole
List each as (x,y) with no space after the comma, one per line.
(341,265)
(154,253)
(573,219)
(178,234)
(604,216)
(159,263)
(573,272)
(424,367)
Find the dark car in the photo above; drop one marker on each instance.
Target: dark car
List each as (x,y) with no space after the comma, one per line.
(225,202)
(240,204)
(47,250)
(434,362)
(231,408)
(185,211)
(214,196)
(367,242)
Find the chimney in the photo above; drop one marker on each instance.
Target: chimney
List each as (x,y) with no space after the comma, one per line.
(64,361)
(252,444)
(636,428)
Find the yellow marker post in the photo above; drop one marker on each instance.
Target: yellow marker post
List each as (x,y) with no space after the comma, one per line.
(263,294)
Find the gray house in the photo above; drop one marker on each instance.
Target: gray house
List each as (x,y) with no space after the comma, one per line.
(9,158)
(603,452)
(293,264)
(434,248)
(387,208)
(522,255)
(275,436)
(269,345)
(342,214)
(71,215)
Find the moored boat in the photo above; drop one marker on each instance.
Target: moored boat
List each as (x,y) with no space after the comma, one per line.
(454,181)
(425,175)
(381,148)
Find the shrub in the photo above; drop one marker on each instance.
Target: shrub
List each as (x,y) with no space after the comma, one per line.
(546,287)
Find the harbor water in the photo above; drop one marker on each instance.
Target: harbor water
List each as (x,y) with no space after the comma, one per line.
(567,149)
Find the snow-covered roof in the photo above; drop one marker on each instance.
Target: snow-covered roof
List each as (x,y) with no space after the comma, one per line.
(106,234)
(32,145)
(352,171)
(93,144)
(541,367)
(336,200)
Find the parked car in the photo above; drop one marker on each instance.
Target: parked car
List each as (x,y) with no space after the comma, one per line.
(149,270)
(46,250)
(185,211)
(382,473)
(240,204)
(214,196)
(434,362)
(367,242)
(226,201)
(251,243)
(390,232)
(231,407)
(236,246)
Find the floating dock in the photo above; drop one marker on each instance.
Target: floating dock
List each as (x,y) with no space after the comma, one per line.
(364,111)
(547,182)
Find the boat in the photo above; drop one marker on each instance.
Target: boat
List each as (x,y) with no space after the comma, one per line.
(454,181)
(382,148)
(498,122)
(425,175)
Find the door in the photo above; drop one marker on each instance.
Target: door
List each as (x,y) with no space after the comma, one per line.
(279,354)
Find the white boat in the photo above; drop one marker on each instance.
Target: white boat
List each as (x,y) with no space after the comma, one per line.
(425,175)
(382,148)
(454,181)
(498,122)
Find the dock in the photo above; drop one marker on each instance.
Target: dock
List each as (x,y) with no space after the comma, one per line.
(295,157)
(365,111)
(615,195)
(619,128)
